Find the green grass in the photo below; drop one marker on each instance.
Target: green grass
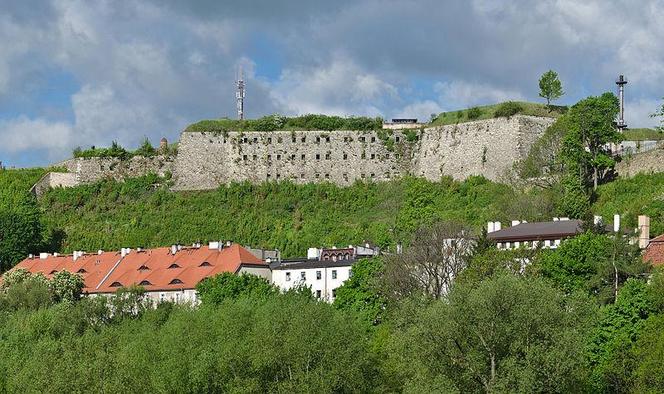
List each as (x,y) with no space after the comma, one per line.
(489,111)
(15,184)
(278,122)
(643,134)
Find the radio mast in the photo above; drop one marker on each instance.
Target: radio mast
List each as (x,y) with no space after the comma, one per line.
(621,82)
(239,95)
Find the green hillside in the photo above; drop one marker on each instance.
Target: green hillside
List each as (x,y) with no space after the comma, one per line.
(497,110)
(643,134)
(143,212)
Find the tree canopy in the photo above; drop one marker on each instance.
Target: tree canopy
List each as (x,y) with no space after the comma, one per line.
(550,86)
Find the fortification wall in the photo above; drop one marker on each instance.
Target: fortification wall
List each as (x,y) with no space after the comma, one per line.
(647,162)
(206,160)
(95,168)
(486,147)
(54,179)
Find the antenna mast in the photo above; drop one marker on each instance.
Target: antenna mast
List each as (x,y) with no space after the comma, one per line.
(621,82)
(240,93)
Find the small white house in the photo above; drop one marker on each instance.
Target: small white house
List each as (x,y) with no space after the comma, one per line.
(323,271)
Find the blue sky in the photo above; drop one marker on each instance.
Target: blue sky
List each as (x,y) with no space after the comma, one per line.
(87,72)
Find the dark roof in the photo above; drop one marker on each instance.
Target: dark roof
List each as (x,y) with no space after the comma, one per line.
(298,264)
(537,231)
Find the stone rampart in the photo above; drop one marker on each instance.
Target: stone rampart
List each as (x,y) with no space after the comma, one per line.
(648,162)
(486,147)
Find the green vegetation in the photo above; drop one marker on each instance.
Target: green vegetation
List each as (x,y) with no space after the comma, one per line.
(278,122)
(643,135)
(116,151)
(550,87)
(509,108)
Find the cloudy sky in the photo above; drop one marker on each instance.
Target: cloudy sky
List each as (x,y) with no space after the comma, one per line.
(87,72)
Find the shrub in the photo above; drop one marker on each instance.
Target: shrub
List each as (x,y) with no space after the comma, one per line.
(508,109)
(474,113)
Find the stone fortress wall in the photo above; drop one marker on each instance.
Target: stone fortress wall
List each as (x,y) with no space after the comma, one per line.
(648,162)
(485,147)
(206,160)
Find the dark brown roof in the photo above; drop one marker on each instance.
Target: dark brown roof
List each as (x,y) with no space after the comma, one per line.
(537,231)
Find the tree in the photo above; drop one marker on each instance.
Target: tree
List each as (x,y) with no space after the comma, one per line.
(550,86)
(228,286)
(361,292)
(543,165)
(505,334)
(20,233)
(594,263)
(437,254)
(146,149)
(590,130)
(66,287)
(659,114)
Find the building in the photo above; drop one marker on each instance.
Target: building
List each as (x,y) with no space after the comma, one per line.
(654,252)
(532,235)
(167,274)
(324,270)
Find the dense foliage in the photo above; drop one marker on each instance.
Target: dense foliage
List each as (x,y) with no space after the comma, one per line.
(117,151)
(550,86)
(497,110)
(279,122)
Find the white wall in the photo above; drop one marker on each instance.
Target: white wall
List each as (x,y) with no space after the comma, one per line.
(326,284)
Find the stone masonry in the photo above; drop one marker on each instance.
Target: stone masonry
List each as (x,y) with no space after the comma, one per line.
(646,162)
(489,147)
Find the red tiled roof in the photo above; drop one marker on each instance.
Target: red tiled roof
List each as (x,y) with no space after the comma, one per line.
(655,251)
(107,272)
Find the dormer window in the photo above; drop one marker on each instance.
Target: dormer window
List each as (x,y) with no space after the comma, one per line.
(53,272)
(81,271)
(174,265)
(175,281)
(145,283)
(144,268)
(205,264)
(116,284)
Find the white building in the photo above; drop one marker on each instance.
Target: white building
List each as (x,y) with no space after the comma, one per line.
(323,271)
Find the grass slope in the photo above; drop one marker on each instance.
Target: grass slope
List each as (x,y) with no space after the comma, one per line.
(489,112)
(15,184)
(643,135)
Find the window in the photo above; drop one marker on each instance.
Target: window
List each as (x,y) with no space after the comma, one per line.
(317,176)
(373,139)
(145,283)
(318,293)
(327,139)
(255,140)
(269,157)
(387,175)
(318,275)
(287,276)
(362,139)
(269,176)
(278,176)
(345,156)
(334,274)
(292,156)
(205,264)
(397,138)
(143,268)
(81,271)
(302,175)
(293,139)
(345,176)
(254,157)
(347,256)
(304,156)
(362,176)
(317,139)
(303,275)
(116,284)
(244,157)
(278,157)
(328,155)
(279,140)
(175,281)
(364,155)
(317,156)
(373,156)
(373,175)
(327,176)
(304,139)
(174,265)
(334,293)
(269,140)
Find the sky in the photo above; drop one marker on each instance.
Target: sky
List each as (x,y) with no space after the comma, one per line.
(89,72)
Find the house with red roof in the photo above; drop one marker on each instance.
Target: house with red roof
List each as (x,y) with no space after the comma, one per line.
(167,274)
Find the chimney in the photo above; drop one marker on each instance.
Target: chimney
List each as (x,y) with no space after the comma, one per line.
(31,256)
(644,231)
(124,251)
(313,254)
(597,220)
(616,223)
(516,223)
(43,256)
(99,252)
(490,227)
(213,245)
(497,226)
(174,249)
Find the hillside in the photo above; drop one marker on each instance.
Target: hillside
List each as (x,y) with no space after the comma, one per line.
(496,110)
(143,212)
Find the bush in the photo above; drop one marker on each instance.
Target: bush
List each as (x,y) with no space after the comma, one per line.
(508,109)
(474,113)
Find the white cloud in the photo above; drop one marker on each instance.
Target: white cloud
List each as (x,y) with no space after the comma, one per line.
(25,134)
(461,94)
(422,110)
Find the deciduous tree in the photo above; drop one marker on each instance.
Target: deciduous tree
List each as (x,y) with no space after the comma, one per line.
(550,86)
